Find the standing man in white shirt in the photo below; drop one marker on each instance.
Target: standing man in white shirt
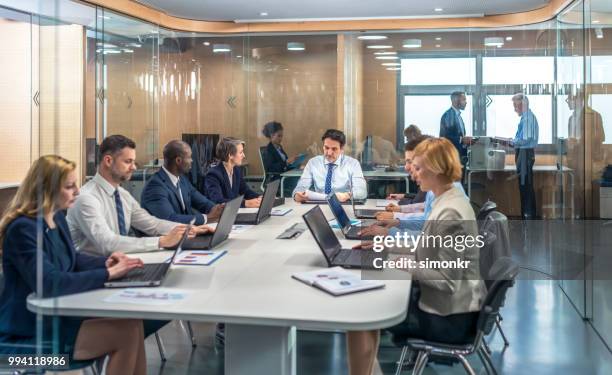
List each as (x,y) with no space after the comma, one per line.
(103,213)
(332,172)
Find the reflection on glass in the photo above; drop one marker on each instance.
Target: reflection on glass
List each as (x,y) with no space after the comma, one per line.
(523,70)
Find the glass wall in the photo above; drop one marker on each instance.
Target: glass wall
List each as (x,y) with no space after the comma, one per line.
(76,74)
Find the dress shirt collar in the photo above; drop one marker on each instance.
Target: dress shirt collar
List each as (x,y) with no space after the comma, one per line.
(337,162)
(457,111)
(105,185)
(174,179)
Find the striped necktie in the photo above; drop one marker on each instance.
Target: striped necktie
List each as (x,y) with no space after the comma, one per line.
(328,178)
(120,215)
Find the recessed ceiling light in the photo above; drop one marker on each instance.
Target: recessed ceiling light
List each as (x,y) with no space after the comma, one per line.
(391,64)
(239,56)
(295,46)
(599,33)
(438,38)
(206,43)
(437,46)
(127,50)
(104,17)
(106,45)
(137,45)
(111,51)
(411,43)
(263,14)
(493,41)
(508,38)
(387,57)
(438,9)
(371,37)
(393,68)
(596,21)
(154,31)
(385,53)
(378,46)
(221,48)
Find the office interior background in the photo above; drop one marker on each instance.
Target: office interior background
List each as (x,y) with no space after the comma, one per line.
(74,72)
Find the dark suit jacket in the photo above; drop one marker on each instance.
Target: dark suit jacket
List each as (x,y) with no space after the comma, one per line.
(450,128)
(85,272)
(218,187)
(161,199)
(273,164)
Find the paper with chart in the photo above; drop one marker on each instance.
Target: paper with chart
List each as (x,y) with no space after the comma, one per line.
(199,257)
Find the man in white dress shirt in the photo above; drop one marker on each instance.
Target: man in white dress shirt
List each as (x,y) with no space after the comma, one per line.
(331,172)
(103,213)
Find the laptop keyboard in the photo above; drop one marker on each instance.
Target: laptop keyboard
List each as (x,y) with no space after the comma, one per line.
(367,257)
(146,273)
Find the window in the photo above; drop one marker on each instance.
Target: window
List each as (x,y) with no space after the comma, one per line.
(429,120)
(518,70)
(502,121)
(438,71)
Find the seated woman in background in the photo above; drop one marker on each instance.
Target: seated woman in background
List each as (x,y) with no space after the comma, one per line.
(224,181)
(274,158)
(50,187)
(444,302)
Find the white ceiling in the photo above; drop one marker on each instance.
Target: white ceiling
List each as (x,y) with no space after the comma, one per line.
(289,10)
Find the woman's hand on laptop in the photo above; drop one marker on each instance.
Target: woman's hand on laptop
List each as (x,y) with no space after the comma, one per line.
(392,207)
(395,196)
(374,230)
(122,266)
(201,229)
(252,203)
(172,239)
(364,245)
(383,215)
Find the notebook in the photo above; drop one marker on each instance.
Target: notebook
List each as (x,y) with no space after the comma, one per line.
(337,281)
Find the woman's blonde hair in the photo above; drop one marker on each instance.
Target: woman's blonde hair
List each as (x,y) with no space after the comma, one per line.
(441,157)
(39,191)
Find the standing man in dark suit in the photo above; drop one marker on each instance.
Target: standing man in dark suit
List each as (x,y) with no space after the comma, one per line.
(452,126)
(170,196)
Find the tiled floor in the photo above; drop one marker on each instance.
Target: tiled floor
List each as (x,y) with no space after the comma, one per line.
(547,336)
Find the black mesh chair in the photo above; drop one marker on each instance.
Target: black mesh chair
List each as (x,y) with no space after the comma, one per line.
(485,210)
(505,271)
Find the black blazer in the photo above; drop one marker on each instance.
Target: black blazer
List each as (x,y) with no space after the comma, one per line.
(273,164)
(218,187)
(85,272)
(161,199)
(450,128)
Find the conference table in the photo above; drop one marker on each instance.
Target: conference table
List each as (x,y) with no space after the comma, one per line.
(379,174)
(252,291)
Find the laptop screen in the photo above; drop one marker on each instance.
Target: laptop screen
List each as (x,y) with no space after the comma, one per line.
(322,232)
(338,211)
(267,203)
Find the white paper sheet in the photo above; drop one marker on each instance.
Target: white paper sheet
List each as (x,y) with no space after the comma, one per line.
(148,296)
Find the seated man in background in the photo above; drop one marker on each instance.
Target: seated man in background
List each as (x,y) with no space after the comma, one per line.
(103,213)
(169,196)
(224,181)
(406,199)
(331,172)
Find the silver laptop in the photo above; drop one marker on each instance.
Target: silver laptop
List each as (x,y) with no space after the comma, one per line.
(151,274)
(267,202)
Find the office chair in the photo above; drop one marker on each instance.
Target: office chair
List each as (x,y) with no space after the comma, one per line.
(505,271)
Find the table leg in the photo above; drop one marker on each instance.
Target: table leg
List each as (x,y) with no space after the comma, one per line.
(469,182)
(282,187)
(259,350)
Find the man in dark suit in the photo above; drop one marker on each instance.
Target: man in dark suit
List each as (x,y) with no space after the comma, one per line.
(452,126)
(169,196)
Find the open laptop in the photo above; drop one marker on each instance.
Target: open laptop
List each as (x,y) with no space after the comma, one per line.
(151,274)
(348,230)
(224,227)
(331,248)
(267,202)
(365,213)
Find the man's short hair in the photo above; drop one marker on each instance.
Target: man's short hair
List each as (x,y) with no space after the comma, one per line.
(456,94)
(172,150)
(335,135)
(413,143)
(113,144)
(228,147)
(519,96)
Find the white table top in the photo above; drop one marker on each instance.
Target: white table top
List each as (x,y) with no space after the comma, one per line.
(536,168)
(252,284)
(8,185)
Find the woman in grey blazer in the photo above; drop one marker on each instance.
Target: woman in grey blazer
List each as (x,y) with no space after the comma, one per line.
(444,302)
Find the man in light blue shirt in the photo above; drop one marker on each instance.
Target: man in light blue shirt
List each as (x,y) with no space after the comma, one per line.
(332,172)
(525,141)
